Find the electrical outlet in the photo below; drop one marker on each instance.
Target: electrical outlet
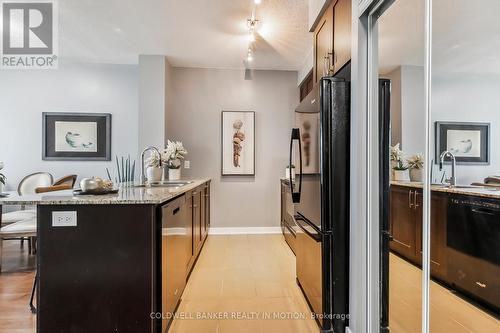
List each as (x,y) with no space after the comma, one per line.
(64,219)
(187,164)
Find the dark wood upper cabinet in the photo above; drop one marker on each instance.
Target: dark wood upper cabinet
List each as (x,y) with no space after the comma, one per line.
(323,44)
(341,34)
(332,39)
(306,86)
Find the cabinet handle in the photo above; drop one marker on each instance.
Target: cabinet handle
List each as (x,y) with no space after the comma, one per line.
(194,206)
(415,205)
(325,65)
(409,199)
(482,285)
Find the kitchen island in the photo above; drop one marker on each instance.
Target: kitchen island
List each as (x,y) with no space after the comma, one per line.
(119,262)
(464,236)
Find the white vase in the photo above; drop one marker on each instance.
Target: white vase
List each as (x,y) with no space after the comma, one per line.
(288,175)
(402,175)
(154,174)
(1,187)
(174,174)
(417,175)
(393,165)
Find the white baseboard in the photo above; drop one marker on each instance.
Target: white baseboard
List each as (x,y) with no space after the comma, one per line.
(243,230)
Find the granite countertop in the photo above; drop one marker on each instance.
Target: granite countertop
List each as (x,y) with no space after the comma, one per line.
(125,196)
(478,191)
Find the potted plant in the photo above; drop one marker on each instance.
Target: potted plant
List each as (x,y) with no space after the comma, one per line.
(2,178)
(416,166)
(395,155)
(398,165)
(153,169)
(172,156)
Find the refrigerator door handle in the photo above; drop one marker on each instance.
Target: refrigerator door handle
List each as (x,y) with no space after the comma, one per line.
(296,136)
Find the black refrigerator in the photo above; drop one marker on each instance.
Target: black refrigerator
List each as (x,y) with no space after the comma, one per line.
(320,151)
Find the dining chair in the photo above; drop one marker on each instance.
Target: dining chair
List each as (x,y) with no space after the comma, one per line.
(27,228)
(66,180)
(28,185)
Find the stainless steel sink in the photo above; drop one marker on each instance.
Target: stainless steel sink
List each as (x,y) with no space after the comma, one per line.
(166,183)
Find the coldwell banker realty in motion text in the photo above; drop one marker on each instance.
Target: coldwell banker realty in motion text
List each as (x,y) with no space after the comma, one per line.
(29,35)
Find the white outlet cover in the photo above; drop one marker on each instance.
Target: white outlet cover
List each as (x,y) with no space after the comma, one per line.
(64,219)
(187,164)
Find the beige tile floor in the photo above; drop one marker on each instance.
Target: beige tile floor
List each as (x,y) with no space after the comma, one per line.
(448,312)
(250,274)
(244,275)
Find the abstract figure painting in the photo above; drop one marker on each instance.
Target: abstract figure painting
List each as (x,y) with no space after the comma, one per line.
(76,136)
(238,143)
(308,124)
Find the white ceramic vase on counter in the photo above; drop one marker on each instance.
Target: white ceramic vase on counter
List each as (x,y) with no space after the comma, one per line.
(174,174)
(417,175)
(153,174)
(401,175)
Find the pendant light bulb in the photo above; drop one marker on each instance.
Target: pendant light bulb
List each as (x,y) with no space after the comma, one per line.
(257,2)
(251,37)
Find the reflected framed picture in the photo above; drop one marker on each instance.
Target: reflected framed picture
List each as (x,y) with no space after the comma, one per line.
(238,143)
(468,141)
(308,125)
(76,136)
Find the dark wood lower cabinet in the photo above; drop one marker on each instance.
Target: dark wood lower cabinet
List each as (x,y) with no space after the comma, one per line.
(199,204)
(406,217)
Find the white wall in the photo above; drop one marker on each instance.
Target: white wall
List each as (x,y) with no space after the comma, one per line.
(395,77)
(152,100)
(199,97)
(24,95)
(408,108)
(412,109)
(470,98)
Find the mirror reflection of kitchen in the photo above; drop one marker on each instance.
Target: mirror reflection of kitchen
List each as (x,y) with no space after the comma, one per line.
(402,145)
(465,221)
(464,239)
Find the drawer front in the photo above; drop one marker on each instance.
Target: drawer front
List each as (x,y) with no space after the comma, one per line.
(479,278)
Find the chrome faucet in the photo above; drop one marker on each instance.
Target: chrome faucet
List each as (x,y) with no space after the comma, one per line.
(453,179)
(143,176)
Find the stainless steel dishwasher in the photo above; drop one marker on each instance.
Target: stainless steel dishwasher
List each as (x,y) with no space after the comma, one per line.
(175,255)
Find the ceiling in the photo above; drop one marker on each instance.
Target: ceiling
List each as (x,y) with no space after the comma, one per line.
(465,36)
(192,33)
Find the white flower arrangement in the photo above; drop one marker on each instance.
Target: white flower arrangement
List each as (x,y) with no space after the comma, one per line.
(416,161)
(398,159)
(173,154)
(153,160)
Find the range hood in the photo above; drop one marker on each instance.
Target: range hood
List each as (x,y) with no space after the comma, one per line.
(310,103)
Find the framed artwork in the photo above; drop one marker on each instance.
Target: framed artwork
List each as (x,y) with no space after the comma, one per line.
(76,136)
(308,125)
(469,142)
(238,143)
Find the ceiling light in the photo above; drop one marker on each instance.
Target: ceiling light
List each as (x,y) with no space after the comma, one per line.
(251,37)
(257,2)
